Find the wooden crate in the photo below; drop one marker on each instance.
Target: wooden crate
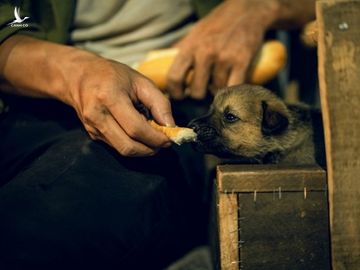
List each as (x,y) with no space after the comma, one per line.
(339,76)
(272,217)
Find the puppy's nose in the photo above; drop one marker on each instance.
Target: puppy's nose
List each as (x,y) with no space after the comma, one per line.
(194,126)
(204,132)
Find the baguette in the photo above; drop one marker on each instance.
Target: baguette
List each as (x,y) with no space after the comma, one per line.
(178,135)
(270,59)
(268,62)
(157,64)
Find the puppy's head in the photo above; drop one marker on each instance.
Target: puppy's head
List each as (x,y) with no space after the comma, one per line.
(245,122)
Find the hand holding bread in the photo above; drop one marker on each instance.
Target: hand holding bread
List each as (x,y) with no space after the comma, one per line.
(178,135)
(270,59)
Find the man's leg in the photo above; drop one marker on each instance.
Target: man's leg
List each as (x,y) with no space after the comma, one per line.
(75,202)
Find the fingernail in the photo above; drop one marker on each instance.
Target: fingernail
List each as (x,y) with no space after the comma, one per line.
(169,121)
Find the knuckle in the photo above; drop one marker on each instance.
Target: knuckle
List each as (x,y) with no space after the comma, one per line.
(174,78)
(150,153)
(102,96)
(128,151)
(88,116)
(208,53)
(110,69)
(102,128)
(224,60)
(133,132)
(94,135)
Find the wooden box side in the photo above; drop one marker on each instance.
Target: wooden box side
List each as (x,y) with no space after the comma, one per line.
(266,178)
(339,77)
(284,230)
(277,215)
(227,224)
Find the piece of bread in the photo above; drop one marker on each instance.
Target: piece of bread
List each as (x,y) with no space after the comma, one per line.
(268,62)
(157,64)
(270,59)
(178,135)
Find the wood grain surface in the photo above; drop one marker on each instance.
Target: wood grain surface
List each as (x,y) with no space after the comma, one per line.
(266,178)
(228,230)
(339,75)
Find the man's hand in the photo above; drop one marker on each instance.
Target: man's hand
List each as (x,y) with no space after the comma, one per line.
(104,96)
(220,47)
(103,92)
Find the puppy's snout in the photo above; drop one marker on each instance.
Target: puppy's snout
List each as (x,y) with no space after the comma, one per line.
(204,132)
(194,125)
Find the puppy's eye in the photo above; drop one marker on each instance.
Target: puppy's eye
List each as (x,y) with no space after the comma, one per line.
(230,118)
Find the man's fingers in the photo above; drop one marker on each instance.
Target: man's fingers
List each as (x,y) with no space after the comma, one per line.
(158,104)
(106,129)
(135,126)
(237,76)
(176,78)
(93,132)
(220,76)
(202,73)
(112,134)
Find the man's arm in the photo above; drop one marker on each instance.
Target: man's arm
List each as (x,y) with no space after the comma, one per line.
(221,46)
(102,92)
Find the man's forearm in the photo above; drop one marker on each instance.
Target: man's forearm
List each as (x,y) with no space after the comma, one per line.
(37,68)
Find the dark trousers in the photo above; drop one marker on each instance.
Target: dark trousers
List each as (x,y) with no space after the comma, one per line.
(69,202)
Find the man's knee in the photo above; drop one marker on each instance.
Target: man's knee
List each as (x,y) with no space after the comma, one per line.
(84,199)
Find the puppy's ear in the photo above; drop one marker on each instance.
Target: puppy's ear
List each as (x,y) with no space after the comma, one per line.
(274,122)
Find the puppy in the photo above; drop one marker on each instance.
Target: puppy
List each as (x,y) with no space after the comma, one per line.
(250,124)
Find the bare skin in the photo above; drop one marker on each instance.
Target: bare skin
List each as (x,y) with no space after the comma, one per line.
(102,92)
(221,46)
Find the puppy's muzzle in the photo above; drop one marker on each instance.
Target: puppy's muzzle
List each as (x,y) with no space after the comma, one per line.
(204,132)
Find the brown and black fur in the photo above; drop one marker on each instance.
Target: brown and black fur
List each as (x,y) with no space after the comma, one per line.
(250,124)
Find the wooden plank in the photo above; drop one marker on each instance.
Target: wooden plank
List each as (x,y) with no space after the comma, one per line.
(339,76)
(287,233)
(228,231)
(266,178)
